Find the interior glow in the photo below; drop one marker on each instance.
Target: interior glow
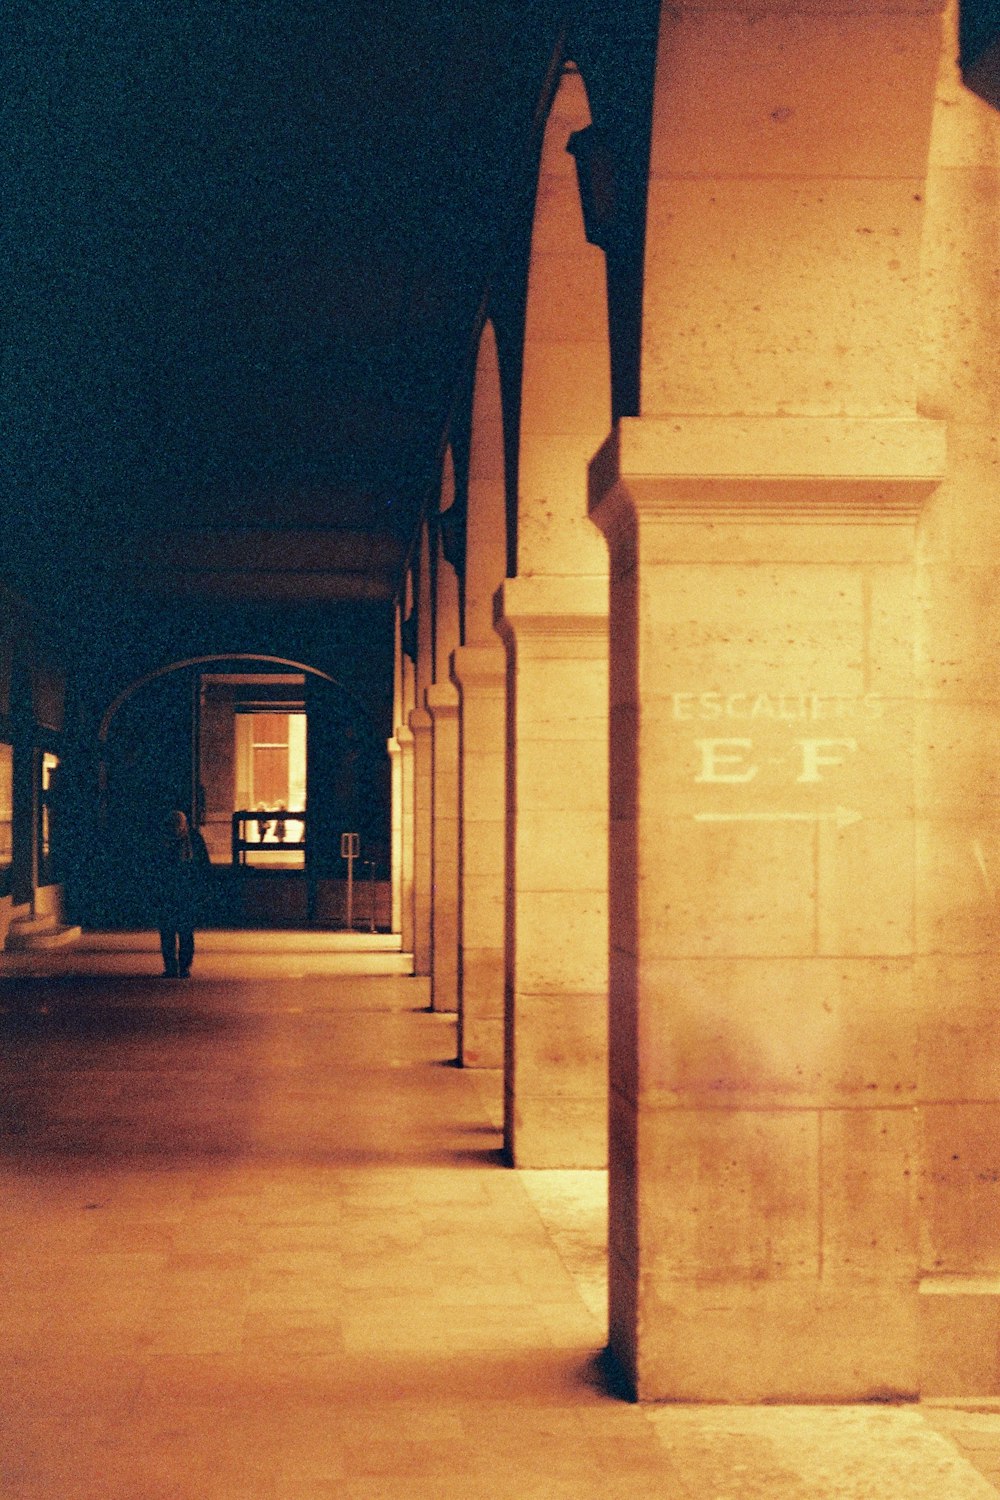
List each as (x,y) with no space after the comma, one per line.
(6,804)
(271,779)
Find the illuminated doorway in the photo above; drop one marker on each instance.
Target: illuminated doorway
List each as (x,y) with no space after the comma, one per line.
(270,765)
(252,731)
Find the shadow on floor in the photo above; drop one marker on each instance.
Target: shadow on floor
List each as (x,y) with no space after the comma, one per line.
(89,1009)
(135,1072)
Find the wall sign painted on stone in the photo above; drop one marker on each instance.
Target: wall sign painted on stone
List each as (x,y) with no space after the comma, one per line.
(772,743)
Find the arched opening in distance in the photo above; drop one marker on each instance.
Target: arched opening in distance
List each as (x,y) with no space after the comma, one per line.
(272,759)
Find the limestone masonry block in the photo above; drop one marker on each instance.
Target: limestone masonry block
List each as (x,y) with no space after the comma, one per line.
(865,887)
(549,1132)
(958,1034)
(808,280)
(755,629)
(956,659)
(562,1044)
(869,1181)
(561,939)
(807,94)
(783,1341)
(956,904)
(777,1033)
(961,1187)
(727,888)
(739,1194)
(960,1337)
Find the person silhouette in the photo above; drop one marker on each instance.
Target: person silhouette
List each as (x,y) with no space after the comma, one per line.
(181,859)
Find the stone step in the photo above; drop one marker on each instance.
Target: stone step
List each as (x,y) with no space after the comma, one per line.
(26,934)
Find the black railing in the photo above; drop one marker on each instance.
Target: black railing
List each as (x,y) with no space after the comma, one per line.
(268,830)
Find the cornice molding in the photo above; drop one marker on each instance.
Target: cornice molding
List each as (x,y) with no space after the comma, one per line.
(482,666)
(442,700)
(792,470)
(546,606)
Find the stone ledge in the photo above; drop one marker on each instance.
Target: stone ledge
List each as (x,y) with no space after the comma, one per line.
(793,469)
(442,700)
(479,666)
(544,605)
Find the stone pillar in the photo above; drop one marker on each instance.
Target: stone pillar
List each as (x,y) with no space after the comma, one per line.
(404,737)
(556,959)
(765,1144)
(420,725)
(480,673)
(396,834)
(958,769)
(442,705)
(760,513)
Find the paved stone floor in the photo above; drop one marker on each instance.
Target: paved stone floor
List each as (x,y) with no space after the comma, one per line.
(256,1244)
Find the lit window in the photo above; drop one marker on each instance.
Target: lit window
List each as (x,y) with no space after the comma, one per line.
(50,764)
(271,781)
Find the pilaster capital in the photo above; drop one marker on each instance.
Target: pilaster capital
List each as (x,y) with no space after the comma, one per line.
(480,666)
(546,606)
(393,746)
(420,721)
(442,700)
(764,471)
(404,737)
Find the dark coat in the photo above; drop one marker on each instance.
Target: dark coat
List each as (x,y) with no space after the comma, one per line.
(179,878)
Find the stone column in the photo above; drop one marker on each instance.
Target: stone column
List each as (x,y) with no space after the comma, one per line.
(404,737)
(958,768)
(442,705)
(480,674)
(556,959)
(396,833)
(765,1144)
(420,725)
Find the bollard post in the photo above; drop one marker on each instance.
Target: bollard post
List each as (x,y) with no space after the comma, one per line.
(350,847)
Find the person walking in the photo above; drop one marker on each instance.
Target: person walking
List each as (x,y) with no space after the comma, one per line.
(181,860)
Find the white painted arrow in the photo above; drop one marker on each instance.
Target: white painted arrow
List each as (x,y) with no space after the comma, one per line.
(842,816)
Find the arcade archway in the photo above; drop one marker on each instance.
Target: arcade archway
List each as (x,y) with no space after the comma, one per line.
(274,760)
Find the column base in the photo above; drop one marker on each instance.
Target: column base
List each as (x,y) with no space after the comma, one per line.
(785,1342)
(548,1132)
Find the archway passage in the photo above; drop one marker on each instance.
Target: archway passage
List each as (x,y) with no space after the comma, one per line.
(276,763)
(218,658)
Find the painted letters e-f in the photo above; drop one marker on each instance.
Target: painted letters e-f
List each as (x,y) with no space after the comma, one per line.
(727,760)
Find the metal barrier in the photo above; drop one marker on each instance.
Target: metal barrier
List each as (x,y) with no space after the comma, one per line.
(270,828)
